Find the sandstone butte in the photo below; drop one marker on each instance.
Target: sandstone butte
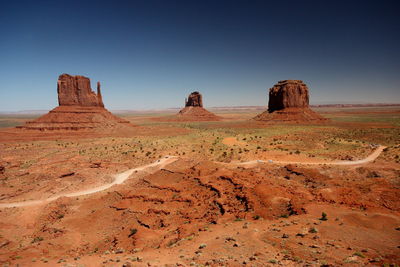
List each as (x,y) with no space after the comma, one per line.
(79,108)
(289,102)
(194,111)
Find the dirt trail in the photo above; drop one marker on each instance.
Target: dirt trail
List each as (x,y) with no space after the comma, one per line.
(119,179)
(370,158)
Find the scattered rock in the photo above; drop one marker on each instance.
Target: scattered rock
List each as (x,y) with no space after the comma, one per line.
(67,174)
(373,174)
(4,243)
(347,157)
(119,251)
(229,238)
(253,258)
(95,165)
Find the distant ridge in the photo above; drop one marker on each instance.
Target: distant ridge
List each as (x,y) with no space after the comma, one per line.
(121,111)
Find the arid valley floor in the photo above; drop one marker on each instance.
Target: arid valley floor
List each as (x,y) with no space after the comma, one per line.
(228,193)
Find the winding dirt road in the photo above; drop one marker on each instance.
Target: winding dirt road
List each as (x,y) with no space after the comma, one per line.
(370,158)
(119,179)
(159,164)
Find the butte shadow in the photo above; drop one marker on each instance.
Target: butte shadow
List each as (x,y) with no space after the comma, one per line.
(289,102)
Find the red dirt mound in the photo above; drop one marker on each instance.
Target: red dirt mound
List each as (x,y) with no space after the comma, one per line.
(290,115)
(76,118)
(196,114)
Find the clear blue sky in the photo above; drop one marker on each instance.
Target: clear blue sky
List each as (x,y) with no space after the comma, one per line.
(152,54)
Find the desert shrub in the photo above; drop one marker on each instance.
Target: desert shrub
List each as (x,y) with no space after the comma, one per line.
(37,239)
(133,231)
(359,254)
(323,217)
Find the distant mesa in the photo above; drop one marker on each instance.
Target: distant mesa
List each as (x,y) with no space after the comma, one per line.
(194,111)
(79,108)
(289,102)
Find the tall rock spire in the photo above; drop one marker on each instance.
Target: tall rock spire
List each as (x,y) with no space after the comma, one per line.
(99,97)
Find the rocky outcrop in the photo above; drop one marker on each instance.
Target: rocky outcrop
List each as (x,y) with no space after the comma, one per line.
(193,111)
(289,102)
(288,94)
(76,91)
(79,109)
(195,99)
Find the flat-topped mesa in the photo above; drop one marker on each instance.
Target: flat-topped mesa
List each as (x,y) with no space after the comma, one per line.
(289,102)
(288,94)
(194,100)
(76,91)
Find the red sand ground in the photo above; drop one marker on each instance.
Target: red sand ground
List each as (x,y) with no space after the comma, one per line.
(196,211)
(204,213)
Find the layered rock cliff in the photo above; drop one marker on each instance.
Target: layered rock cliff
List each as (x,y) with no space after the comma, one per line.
(76,91)
(289,102)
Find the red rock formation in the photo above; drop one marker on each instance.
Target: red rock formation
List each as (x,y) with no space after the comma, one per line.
(194,111)
(79,108)
(195,99)
(288,94)
(76,91)
(289,102)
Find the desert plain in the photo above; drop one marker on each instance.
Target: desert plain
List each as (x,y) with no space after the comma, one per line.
(231,192)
